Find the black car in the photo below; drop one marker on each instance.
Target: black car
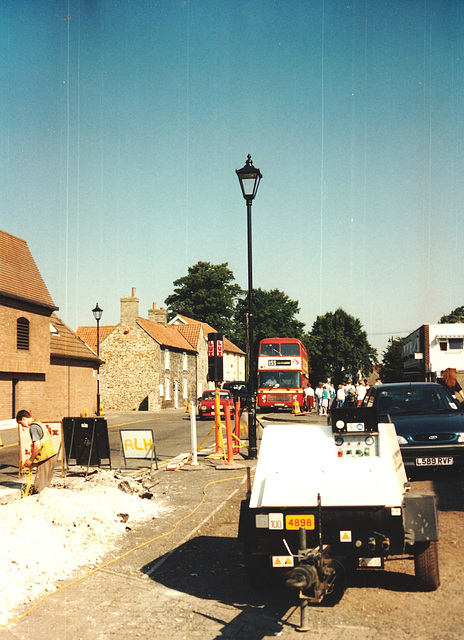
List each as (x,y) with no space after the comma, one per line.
(239,389)
(428,420)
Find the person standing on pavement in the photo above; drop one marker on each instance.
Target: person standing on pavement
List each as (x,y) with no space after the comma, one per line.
(340,396)
(325,399)
(449,381)
(350,394)
(360,392)
(43,453)
(309,393)
(318,394)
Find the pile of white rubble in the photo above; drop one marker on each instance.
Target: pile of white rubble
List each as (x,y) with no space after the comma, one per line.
(46,537)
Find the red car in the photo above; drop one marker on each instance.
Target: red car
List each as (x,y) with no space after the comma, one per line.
(207,401)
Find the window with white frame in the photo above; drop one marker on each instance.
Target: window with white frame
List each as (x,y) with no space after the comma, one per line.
(185,389)
(167,386)
(184,359)
(166,358)
(451,344)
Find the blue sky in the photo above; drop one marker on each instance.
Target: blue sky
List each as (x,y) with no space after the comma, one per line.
(122,124)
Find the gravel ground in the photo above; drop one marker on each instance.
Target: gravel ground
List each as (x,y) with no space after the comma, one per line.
(381,604)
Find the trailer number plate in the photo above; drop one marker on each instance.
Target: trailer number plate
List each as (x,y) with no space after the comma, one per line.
(295,522)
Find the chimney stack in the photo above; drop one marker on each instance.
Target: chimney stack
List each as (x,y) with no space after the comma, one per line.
(130,310)
(160,316)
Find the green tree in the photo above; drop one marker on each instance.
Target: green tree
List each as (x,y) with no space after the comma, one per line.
(457,315)
(337,347)
(208,294)
(274,316)
(391,369)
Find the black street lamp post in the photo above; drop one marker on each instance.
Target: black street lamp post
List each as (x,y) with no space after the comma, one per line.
(249,178)
(97,314)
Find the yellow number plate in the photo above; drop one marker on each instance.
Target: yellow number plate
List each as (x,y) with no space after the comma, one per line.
(295,522)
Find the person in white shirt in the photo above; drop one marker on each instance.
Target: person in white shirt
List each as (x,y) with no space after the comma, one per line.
(340,396)
(318,394)
(309,397)
(360,392)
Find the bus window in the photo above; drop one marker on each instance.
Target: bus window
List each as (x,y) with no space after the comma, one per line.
(290,349)
(290,379)
(268,349)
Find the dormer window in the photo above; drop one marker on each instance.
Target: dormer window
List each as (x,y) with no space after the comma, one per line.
(22,334)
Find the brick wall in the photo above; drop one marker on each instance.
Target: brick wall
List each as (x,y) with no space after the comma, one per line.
(50,391)
(66,390)
(6,399)
(34,360)
(70,390)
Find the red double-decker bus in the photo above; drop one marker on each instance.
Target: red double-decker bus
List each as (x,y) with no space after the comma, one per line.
(282,372)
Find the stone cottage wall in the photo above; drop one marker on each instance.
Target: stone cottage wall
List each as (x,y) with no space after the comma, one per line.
(134,376)
(178,381)
(131,369)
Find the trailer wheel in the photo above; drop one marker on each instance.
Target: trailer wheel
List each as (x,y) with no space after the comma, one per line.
(426,565)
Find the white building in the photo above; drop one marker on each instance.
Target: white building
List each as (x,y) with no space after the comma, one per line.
(431,349)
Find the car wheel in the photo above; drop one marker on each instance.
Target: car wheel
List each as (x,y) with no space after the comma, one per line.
(201,416)
(426,565)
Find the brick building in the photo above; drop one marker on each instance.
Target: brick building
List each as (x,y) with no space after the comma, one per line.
(44,366)
(431,349)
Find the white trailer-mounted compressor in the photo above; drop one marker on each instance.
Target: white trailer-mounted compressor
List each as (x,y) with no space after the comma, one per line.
(330,498)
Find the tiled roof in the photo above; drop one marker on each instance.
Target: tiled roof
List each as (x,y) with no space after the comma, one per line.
(228,345)
(167,336)
(89,335)
(191,333)
(19,275)
(66,344)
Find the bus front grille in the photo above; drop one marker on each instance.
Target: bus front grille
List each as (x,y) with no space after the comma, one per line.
(279,397)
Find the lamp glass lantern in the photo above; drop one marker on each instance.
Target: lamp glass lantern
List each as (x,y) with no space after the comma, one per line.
(249,178)
(97,313)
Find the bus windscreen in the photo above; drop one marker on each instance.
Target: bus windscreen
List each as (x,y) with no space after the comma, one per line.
(282,379)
